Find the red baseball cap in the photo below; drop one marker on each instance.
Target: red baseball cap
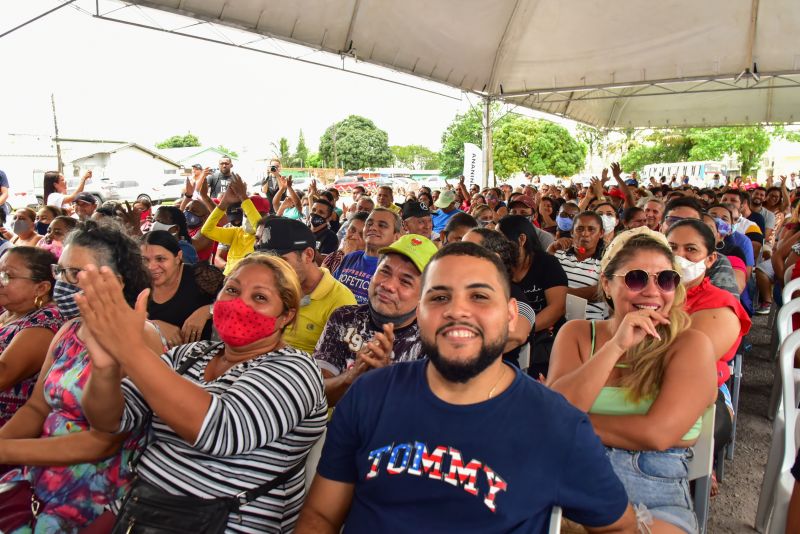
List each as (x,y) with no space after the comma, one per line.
(261,203)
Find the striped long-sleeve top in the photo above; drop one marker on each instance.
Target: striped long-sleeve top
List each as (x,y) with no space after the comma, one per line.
(264,416)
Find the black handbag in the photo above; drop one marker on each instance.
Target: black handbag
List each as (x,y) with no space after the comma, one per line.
(148,510)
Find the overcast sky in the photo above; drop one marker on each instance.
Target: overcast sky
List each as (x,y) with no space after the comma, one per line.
(118,82)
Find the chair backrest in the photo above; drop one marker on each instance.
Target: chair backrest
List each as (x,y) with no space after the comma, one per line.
(702,462)
(576,308)
(788,288)
(555,521)
(787,274)
(313,459)
(525,357)
(784,320)
(788,349)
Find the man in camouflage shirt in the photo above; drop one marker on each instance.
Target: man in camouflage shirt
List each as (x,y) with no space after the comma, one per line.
(382,331)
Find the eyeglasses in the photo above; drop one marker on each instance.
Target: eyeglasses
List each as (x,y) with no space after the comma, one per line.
(68,274)
(672,219)
(637,279)
(5,278)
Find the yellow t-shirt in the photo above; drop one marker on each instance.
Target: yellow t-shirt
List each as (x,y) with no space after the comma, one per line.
(239,242)
(326,297)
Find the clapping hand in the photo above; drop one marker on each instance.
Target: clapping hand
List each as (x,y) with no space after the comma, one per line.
(107,315)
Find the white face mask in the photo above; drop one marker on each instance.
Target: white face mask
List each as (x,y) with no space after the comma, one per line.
(156,226)
(609,223)
(691,270)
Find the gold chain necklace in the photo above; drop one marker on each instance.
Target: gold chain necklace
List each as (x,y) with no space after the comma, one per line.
(502,374)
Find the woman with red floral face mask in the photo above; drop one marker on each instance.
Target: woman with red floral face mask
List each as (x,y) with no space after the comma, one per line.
(228,418)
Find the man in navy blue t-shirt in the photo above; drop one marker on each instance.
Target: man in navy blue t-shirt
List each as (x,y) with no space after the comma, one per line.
(461,442)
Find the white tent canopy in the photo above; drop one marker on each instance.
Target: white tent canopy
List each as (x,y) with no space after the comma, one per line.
(620,63)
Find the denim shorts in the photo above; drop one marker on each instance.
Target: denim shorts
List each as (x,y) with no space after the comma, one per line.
(659,481)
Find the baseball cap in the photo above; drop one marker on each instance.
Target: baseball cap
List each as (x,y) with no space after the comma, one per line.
(86,197)
(416,248)
(261,203)
(280,235)
(527,201)
(632,182)
(415,209)
(197,166)
(616,192)
(446,198)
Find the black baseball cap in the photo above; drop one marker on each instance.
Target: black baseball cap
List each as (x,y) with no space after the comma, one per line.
(415,209)
(86,197)
(280,235)
(197,166)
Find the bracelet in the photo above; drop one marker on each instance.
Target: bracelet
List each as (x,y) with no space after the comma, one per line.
(187,195)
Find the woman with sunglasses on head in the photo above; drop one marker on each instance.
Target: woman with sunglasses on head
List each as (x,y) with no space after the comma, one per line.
(644,376)
(545,216)
(74,472)
(713,311)
(28,322)
(231,420)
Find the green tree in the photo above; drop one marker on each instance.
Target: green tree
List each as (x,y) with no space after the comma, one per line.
(284,154)
(179,141)
(415,156)
(594,139)
(228,151)
(465,128)
(355,143)
(748,143)
(536,146)
(314,161)
(300,157)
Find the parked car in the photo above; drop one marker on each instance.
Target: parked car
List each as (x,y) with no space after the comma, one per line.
(131,190)
(102,189)
(346,184)
(438,183)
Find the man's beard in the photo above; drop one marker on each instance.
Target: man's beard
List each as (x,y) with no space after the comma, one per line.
(756,202)
(463,371)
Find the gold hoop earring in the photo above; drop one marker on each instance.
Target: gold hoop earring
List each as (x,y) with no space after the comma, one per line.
(38,301)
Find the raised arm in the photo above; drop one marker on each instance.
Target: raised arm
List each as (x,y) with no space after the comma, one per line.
(71,196)
(616,170)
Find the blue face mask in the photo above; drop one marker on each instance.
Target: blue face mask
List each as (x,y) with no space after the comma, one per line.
(64,297)
(564,223)
(723,227)
(192,220)
(41,228)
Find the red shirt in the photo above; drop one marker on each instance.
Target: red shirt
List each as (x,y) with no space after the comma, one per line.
(708,297)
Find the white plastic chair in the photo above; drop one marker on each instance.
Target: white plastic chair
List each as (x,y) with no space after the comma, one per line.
(701,465)
(789,288)
(576,308)
(787,275)
(313,459)
(555,521)
(525,357)
(783,490)
(783,447)
(783,328)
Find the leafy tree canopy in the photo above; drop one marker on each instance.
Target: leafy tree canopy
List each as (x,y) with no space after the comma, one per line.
(355,143)
(179,141)
(536,146)
(415,156)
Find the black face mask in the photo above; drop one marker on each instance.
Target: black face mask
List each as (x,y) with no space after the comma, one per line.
(381,319)
(316,220)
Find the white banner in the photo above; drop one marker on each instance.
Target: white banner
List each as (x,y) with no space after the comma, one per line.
(473,164)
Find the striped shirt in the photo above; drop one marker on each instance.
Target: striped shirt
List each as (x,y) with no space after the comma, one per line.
(265,415)
(584,273)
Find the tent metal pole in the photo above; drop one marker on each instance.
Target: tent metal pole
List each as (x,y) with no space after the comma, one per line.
(488,158)
(34,19)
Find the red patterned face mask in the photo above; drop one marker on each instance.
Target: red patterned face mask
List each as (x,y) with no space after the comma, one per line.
(238,324)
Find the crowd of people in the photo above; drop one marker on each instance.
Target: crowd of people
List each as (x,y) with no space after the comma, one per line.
(170,367)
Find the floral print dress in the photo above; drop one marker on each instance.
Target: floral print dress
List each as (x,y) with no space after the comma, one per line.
(14,397)
(72,496)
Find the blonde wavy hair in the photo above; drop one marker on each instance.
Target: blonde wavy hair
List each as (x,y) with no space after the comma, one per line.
(288,286)
(647,360)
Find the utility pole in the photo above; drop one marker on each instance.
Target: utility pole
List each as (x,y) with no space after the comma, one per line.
(58,144)
(488,158)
